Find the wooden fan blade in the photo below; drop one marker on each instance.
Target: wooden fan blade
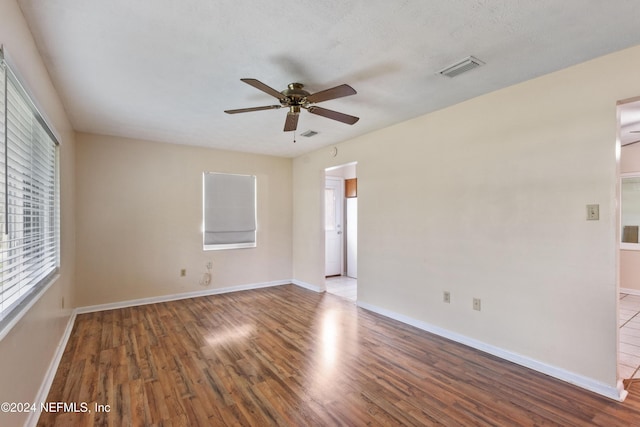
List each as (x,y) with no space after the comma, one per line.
(333,93)
(246,110)
(330,114)
(263,87)
(291,122)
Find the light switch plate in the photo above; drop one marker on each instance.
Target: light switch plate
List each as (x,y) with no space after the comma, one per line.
(593,212)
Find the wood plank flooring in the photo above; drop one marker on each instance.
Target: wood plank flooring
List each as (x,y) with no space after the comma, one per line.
(291,357)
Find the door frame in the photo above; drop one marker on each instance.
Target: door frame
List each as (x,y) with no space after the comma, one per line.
(322,214)
(618,233)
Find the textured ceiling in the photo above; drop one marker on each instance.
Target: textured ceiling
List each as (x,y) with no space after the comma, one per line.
(165,70)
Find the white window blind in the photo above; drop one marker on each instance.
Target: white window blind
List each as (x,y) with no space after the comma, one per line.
(29,237)
(229,210)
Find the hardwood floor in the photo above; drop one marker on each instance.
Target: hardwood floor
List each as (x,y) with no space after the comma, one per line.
(291,357)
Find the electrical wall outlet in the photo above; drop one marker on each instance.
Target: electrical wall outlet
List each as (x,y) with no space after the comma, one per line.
(183,272)
(476,304)
(205,280)
(446,297)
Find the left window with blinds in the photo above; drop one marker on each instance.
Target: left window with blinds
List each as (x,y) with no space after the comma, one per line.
(29,200)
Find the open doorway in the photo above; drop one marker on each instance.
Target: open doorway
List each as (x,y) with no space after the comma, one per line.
(341,231)
(629,245)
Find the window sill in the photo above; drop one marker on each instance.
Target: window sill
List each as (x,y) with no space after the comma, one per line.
(18,313)
(220,247)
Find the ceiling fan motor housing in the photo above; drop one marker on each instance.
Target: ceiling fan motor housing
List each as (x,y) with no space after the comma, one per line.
(294,95)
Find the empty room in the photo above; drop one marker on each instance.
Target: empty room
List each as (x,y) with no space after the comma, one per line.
(185,183)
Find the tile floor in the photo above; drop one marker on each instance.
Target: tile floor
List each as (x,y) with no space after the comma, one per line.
(629,355)
(342,286)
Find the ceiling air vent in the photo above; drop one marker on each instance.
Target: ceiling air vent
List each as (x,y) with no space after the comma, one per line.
(469,63)
(309,133)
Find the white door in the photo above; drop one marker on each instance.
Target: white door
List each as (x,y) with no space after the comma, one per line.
(333,220)
(352,237)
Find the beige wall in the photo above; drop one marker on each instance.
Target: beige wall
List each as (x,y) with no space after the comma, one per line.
(487,199)
(630,271)
(140,216)
(27,351)
(630,260)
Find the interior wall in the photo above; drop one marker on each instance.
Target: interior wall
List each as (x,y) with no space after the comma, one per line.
(346,171)
(27,351)
(630,260)
(140,220)
(487,199)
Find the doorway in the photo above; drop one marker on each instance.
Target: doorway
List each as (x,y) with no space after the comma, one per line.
(341,225)
(629,247)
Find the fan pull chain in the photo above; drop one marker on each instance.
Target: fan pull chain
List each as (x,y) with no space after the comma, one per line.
(294,136)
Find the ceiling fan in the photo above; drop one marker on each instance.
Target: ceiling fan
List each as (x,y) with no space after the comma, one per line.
(295,98)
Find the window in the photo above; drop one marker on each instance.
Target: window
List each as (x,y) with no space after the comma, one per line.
(229,210)
(29,237)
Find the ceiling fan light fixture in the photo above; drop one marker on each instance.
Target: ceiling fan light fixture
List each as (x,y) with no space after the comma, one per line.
(309,133)
(467,64)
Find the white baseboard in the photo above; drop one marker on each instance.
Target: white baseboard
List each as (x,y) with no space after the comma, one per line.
(193,294)
(32,420)
(630,291)
(175,297)
(306,285)
(617,393)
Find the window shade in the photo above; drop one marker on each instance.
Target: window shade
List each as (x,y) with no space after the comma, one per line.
(229,211)
(29,248)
